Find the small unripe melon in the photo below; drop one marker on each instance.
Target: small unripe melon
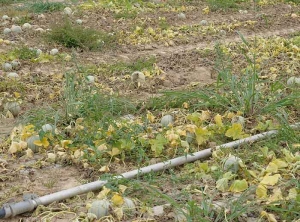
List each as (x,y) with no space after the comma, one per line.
(91,79)
(203,22)
(231,164)
(100,208)
(293,81)
(138,77)
(13,107)
(5,17)
(26,26)
(68,11)
(190,137)
(79,21)
(181,16)
(166,120)
(12,75)
(16,29)
(53,51)
(7,66)
(128,205)
(31,145)
(15,64)
(6,31)
(47,128)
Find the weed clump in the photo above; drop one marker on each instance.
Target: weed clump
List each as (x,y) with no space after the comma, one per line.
(76,36)
(42,7)
(222,4)
(25,53)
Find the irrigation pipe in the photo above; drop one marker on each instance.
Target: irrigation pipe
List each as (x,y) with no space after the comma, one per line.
(13,209)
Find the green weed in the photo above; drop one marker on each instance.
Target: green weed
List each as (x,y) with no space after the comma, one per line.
(38,116)
(232,92)
(83,100)
(42,7)
(122,68)
(9,2)
(76,36)
(24,19)
(25,53)
(215,5)
(50,183)
(8,85)
(127,14)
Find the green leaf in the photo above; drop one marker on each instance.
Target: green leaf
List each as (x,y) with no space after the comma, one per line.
(194,117)
(202,135)
(126,144)
(238,186)
(157,144)
(236,131)
(222,184)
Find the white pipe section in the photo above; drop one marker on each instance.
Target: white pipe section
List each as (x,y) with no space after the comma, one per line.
(28,205)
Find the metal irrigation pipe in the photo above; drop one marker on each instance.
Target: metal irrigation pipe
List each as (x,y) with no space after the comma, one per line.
(13,209)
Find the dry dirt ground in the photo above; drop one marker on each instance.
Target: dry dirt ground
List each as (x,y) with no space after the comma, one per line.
(181,63)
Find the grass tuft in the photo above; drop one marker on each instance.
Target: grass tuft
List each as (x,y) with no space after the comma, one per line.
(76,36)
(215,5)
(25,53)
(43,7)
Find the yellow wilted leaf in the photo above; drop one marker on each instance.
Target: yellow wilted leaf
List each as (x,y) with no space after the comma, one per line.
(218,120)
(122,188)
(205,115)
(27,132)
(104,169)
(78,153)
(272,168)
(17,95)
(296,145)
(206,10)
(222,184)
(118,211)
(236,131)
(102,147)
(9,115)
(270,217)
(14,148)
(292,194)
(289,157)
(115,151)
(277,195)
(252,173)
(150,117)
(23,144)
(65,143)
(239,186)
(261,191)
(280,163)
(270,180)
(44,142)
(202,135)
(103,193)
(185,105)
(29,153)
(117,199)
